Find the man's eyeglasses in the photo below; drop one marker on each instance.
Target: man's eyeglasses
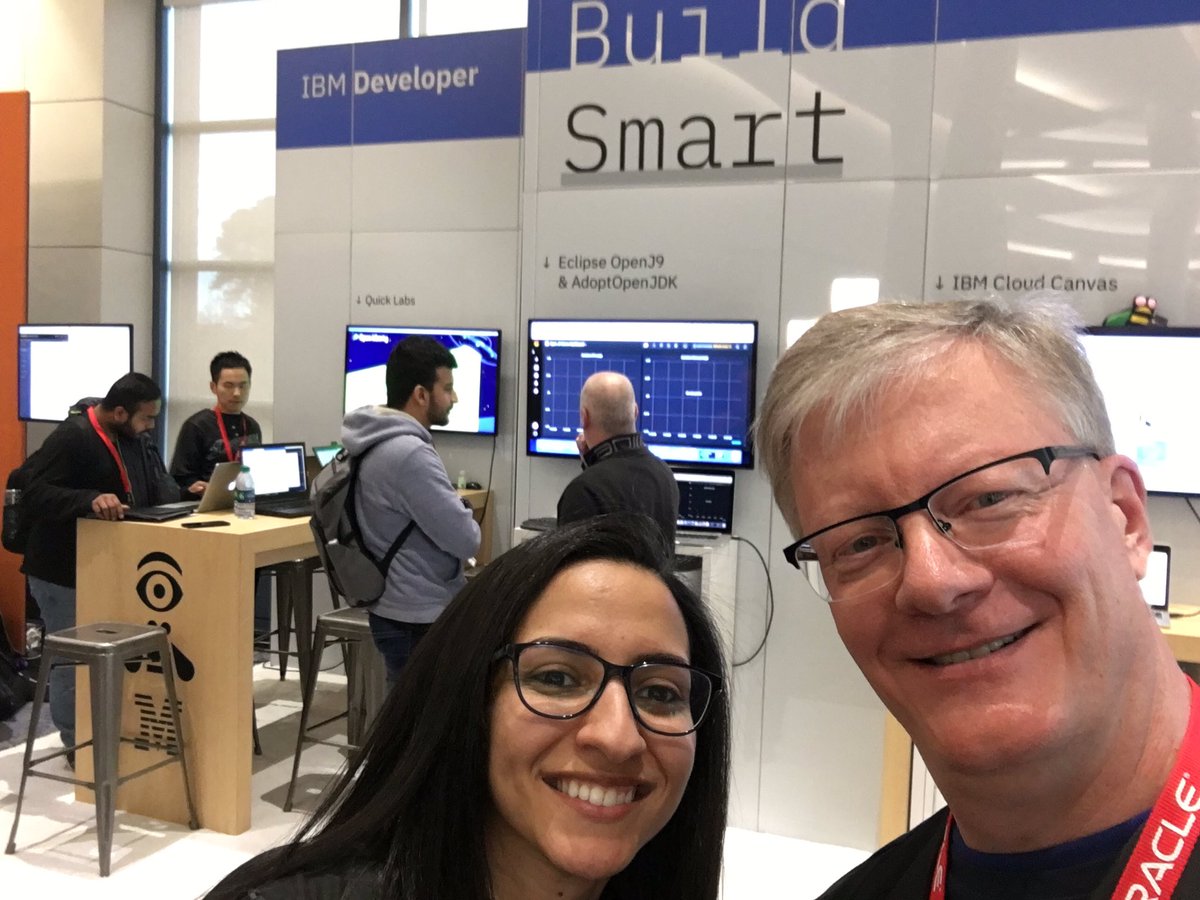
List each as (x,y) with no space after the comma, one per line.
(1001,502)
(562,681)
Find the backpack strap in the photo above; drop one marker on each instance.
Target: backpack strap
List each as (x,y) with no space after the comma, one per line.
(351,508)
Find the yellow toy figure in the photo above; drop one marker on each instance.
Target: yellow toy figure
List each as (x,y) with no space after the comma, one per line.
(1140,312)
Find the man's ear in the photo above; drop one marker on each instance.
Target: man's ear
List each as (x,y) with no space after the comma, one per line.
(1131,512)
(585,417)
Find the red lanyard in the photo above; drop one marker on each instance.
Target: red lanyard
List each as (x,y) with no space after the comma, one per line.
(115,455)
(229,454)
(1167,838)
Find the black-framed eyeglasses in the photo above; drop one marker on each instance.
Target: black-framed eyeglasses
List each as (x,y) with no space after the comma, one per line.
(997,503)
(563,681)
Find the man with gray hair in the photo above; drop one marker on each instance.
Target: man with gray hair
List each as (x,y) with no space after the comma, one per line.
(949,470)
(619,473)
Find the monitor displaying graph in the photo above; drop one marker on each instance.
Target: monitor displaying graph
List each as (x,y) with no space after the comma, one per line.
(694,383)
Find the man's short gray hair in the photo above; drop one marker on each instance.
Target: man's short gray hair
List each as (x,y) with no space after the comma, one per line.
(844,363)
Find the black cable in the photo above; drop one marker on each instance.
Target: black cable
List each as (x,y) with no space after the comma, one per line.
(1188,501)
(770,603)
(487,487)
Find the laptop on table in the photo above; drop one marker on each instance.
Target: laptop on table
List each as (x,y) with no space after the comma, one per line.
(280,480)
(218,495)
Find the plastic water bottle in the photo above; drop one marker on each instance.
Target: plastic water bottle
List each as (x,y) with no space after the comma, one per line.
(461,484)
(243,494)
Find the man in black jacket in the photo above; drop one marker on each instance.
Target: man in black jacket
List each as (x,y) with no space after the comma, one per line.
(619,473)
(97,464)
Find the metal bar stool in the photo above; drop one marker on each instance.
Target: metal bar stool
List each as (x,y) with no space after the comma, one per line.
(293,610)
(104,648)
(365,683)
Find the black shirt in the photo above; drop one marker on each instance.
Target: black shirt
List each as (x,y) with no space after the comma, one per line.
(199,447)
(71,469)
(630,479)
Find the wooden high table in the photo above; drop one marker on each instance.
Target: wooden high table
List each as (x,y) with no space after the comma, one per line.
(199,585)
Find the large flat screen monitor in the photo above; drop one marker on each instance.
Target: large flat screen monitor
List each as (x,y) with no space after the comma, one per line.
(476,378)
(60,364)
(694,383)
(1149,378)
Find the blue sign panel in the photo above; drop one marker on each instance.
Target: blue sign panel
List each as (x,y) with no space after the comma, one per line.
(312,103)
(456,87)
(567,34)
(964,20)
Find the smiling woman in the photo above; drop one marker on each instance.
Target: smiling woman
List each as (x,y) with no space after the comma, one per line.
(561,732)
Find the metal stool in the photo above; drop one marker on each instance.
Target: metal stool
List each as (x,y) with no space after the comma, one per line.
(105,647)
(293,611)
(365,682)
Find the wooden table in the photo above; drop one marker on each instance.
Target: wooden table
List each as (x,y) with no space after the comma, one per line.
(199,584)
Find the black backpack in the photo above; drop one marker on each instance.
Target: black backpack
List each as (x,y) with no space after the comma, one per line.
(352,568)
(17,522)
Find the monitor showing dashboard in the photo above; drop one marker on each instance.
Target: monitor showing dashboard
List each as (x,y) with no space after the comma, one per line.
(1149,377)
(476,377)
(60,364)
(694,383)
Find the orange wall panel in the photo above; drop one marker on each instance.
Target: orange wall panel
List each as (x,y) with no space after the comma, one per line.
(14,276)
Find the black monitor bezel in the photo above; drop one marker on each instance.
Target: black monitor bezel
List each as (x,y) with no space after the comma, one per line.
(128,326)
(433,329)
(747,451)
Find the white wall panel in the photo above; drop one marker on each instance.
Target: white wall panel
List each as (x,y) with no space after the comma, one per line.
(1105,100)
(436,185)
(313,190)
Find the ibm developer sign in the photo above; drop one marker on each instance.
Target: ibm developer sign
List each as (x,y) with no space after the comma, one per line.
(427,89)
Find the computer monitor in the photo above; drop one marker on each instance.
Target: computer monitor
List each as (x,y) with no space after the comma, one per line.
(476,378)
(694,383)
(705,500)
(60,364)
(1148,377)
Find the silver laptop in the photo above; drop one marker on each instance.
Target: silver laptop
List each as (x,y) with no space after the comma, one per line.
(219,493)
(1156,583)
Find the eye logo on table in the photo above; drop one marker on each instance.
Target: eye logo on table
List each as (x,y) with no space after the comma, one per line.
(159,588)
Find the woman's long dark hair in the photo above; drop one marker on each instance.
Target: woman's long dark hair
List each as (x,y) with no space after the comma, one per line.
(414,803)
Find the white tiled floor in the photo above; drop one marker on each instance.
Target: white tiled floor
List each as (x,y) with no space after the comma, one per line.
(56,844)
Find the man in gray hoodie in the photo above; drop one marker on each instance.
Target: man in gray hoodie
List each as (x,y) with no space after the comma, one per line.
(403,480)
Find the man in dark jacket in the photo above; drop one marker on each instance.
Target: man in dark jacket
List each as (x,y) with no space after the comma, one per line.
(97,464)
(619,473)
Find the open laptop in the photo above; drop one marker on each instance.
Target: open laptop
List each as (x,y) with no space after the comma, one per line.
(218,495)
(1156,583)
(705,501)
(280,480)
(326,453)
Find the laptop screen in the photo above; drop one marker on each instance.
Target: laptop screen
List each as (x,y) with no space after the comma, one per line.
(326,454)
(278,469)
(1157,579)
(705,500)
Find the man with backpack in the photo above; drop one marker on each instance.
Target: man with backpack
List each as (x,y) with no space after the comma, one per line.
(401,480)
(98,463)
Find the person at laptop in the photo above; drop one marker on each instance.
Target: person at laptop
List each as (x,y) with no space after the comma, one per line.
(950,469)
(619,473)
(219,433)
(216,435)
(95,464)
(402,479)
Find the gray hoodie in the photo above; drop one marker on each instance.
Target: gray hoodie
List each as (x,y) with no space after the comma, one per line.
(401,480)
